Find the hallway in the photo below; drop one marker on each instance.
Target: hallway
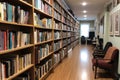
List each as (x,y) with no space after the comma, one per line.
(77,66)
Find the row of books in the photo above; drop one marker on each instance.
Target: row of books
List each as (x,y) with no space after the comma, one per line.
(72,29)
(64,13)
(24,61)
(25,76)
(64,34)
(57,6)
(42,51)
(42,6)
(73,38)
(57,45)
(57,15)
(58,56)
(64,27)
(57,25)
(57,35)
(49,1)
(76,29)
(40,36)
(65,42)
(43,69)
(68,34)
(12,39)
(69,40)
(62,10)
(13,13)
(73,33)
(44,22)
(12,65)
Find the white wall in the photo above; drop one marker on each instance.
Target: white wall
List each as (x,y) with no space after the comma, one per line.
(114,39)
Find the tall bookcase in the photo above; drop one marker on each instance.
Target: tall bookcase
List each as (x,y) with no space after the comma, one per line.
(35,36)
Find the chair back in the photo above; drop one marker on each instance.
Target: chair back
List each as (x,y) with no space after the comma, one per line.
(110,54)
(108,44)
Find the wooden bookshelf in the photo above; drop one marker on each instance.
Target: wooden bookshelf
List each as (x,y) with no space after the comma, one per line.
(20,72)
(46,34)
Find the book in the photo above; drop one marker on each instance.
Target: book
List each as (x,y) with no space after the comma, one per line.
(1,40)
(9,12)
(43,68)
(1,11)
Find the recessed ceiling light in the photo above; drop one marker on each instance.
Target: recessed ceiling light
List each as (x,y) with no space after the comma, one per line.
(84,11)
(84,3)
(85,15)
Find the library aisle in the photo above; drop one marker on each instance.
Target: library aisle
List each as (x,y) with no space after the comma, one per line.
(77,66)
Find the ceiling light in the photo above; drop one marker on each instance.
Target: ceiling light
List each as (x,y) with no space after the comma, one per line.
(84,11)
(84,3)
(85,15)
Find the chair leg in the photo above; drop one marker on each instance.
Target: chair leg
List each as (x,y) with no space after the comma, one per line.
(95,72)
(93,67)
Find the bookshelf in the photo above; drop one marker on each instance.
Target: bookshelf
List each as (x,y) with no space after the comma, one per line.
(36,36)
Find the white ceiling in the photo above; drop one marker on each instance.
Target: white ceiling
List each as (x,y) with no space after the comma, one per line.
(93,7)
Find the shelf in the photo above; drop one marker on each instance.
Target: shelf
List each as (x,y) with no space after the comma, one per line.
(15,24)
(20,3)
(20,72)
(43,13)
(43,42)
(66,30)
(26,3)
(58,20)
(15,49)
(57,39)
(39,27)
(63,18)
(57,11)
(57,29)
(57,49)
(48,3)
(46,56)
(45,74)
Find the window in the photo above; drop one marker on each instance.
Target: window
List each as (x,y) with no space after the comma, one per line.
(84,30)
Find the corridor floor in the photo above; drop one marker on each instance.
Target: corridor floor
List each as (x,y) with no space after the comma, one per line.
(77,66)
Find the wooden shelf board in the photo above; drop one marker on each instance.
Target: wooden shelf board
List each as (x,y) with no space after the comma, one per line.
(46,56)
(58,49)
(57,29)
(42,12)
(57,20)
(57,39)
(14,23)
(46,74)
(48,3)
(20,72)
(26,3)
(40,27)
(15,49)
(57,11)
(43,42)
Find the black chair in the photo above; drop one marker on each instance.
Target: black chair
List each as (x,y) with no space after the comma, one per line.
(101,52)
(83,40)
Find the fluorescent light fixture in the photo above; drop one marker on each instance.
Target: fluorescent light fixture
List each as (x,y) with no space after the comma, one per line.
(85,15)
(84,11)
(84,3)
